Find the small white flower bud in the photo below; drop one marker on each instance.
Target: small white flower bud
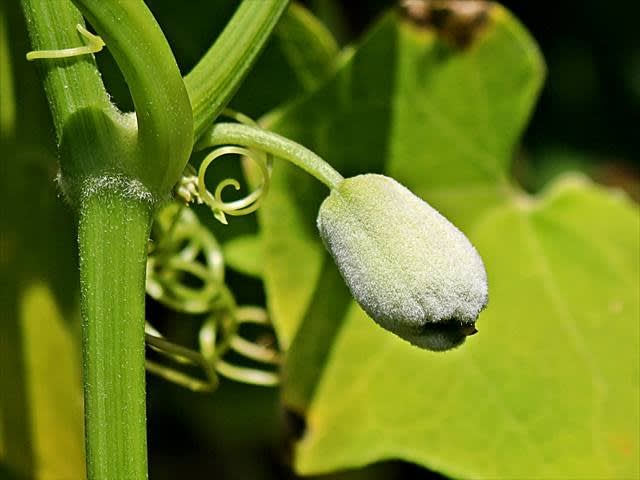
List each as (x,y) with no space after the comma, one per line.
(407,266)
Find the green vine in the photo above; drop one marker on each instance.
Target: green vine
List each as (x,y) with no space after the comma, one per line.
(116,169)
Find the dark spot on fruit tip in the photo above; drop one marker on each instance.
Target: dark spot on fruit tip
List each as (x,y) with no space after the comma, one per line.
(443,335)
(469,330)
(457,22)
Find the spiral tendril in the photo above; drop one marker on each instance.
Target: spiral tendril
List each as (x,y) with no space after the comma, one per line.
(173,269)
(249,203)
(185,271)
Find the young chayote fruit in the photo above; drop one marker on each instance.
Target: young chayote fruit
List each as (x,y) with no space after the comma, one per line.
(408,267)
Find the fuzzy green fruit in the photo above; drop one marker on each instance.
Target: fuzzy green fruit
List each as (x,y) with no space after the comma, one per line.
(408,267)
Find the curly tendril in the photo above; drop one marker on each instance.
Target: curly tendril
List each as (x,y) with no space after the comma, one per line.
(244,206)
(251,202)
(185,272)
(213,348)
(253,351)
(218,336)
(174,276)
(182,356)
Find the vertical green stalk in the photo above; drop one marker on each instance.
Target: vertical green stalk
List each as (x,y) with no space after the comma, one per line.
(115,171)
(113,234)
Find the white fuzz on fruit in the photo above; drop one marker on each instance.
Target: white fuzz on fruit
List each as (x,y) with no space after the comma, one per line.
(408,267)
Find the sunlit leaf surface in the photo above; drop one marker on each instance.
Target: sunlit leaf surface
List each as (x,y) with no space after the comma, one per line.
(549,387)
(40,366)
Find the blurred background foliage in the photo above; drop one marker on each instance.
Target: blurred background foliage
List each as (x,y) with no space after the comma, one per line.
(586,120)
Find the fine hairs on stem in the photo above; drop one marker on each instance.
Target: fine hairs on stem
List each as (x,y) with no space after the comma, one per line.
(98,141)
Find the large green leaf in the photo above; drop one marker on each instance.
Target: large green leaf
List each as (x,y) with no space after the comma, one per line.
(549,387)
(40,379)
(40,364)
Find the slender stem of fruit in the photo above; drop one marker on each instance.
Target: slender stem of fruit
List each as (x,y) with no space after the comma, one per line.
(269,142)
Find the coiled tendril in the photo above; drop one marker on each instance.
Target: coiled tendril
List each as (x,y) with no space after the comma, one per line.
(185,272)
(251,202)
(182,240)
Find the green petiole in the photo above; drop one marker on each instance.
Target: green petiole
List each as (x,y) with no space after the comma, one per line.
(218,75)
(256,138)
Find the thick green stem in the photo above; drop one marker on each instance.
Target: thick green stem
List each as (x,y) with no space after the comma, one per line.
(87,126)
(7,90)
(162,108)
(115,218)
(72,84)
